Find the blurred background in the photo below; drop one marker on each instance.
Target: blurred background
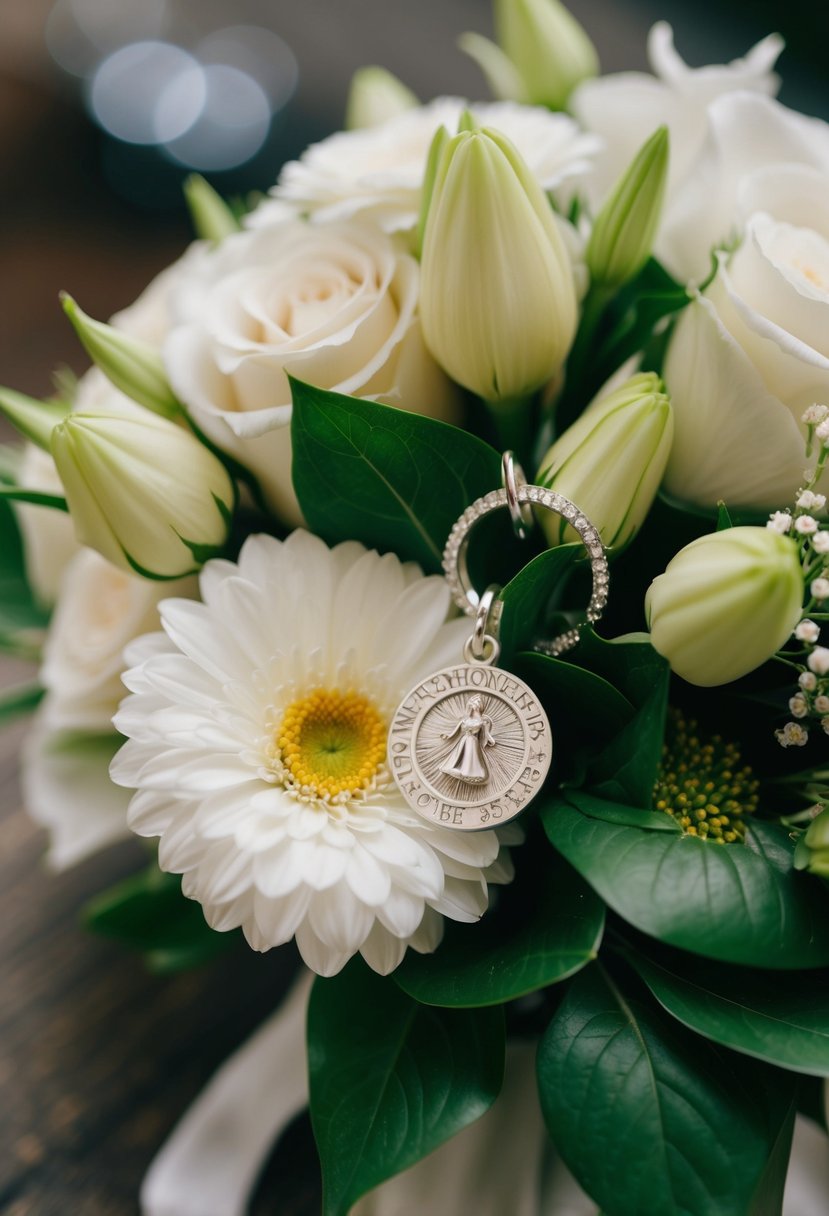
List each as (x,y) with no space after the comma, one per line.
(105,107)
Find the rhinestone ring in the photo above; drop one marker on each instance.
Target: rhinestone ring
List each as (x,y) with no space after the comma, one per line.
(456,569)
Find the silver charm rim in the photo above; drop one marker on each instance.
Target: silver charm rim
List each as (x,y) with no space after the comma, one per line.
(456,570)
(476,813)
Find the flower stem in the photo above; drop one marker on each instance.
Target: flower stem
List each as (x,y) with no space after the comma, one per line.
(513,419)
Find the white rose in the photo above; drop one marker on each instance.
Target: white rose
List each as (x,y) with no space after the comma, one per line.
(65,770)
(99,611)
(379,172)
(48,535)
(749,356)
(625,108)
(758,156)
(334,305)
(67,790)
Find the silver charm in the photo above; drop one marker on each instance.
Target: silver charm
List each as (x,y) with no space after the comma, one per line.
(470,745)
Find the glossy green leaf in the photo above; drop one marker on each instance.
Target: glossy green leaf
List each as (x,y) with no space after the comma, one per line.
(391,479)
(625,771)
(527,597)
(148,913)
(539,932)
(737,903)
(617,812)
(782,1020)
(390,1079)
(571,693)
(649,1118)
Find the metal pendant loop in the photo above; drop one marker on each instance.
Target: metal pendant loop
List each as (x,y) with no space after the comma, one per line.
(526,497)
(483,646)
(512,478)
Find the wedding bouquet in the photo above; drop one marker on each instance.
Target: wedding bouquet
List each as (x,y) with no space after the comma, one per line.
(289,634)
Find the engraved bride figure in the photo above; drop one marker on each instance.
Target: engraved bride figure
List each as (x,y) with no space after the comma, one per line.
(467,760)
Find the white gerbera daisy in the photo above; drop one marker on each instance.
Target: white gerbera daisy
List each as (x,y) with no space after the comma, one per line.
(379,172)
(257,740)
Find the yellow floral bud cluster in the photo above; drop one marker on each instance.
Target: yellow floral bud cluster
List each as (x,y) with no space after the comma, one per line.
(703,785)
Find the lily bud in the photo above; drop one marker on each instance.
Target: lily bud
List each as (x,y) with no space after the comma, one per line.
(611,461)
(549,48)
(132,365)
(32,418)
(143,492)
(212,218)
(812,852)
(625,228)
(374,96)
(726,603)
(497,294)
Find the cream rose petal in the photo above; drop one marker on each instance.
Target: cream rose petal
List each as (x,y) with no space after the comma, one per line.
(733,440)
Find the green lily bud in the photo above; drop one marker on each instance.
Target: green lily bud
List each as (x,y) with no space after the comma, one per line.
(134,366)
(212,218)
(143,492)
(625,228)
(501,74)
(436,149)
(548,47)
(374,96)
(497,295)
(812,852)
(611,461)
(34,419)
(726,603)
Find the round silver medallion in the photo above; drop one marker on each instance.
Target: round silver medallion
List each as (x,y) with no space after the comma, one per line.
(470,746)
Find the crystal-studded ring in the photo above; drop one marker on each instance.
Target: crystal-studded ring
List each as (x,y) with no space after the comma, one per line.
(456,569)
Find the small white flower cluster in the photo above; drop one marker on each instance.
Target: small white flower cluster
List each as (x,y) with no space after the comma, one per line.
(811,701)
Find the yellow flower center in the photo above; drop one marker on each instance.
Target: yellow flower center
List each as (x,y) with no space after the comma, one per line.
(703,785)
(330,745)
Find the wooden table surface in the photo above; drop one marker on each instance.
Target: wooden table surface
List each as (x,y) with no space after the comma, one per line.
(98,1058)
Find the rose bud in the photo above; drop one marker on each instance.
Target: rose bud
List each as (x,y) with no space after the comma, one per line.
(144,492)
(726,603)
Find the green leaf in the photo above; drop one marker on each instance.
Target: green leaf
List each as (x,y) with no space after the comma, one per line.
(625,771)
(21,699)
(649,1118)
(573,695)
(539,932)
(39,499)
(724,520)
(148,913)
(393,480)
(526,598)
(652,295)
(750,1011)
(616,812)
(630,662)
(737,903)
(390,1080)
(18,610)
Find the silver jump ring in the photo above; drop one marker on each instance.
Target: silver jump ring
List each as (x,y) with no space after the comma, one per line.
(485,630)
(456,569)
(512,478)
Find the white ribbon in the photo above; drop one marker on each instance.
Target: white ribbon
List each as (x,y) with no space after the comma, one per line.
(502,1165)
(210,1163)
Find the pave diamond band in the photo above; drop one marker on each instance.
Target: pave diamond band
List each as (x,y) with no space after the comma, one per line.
(456,569)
